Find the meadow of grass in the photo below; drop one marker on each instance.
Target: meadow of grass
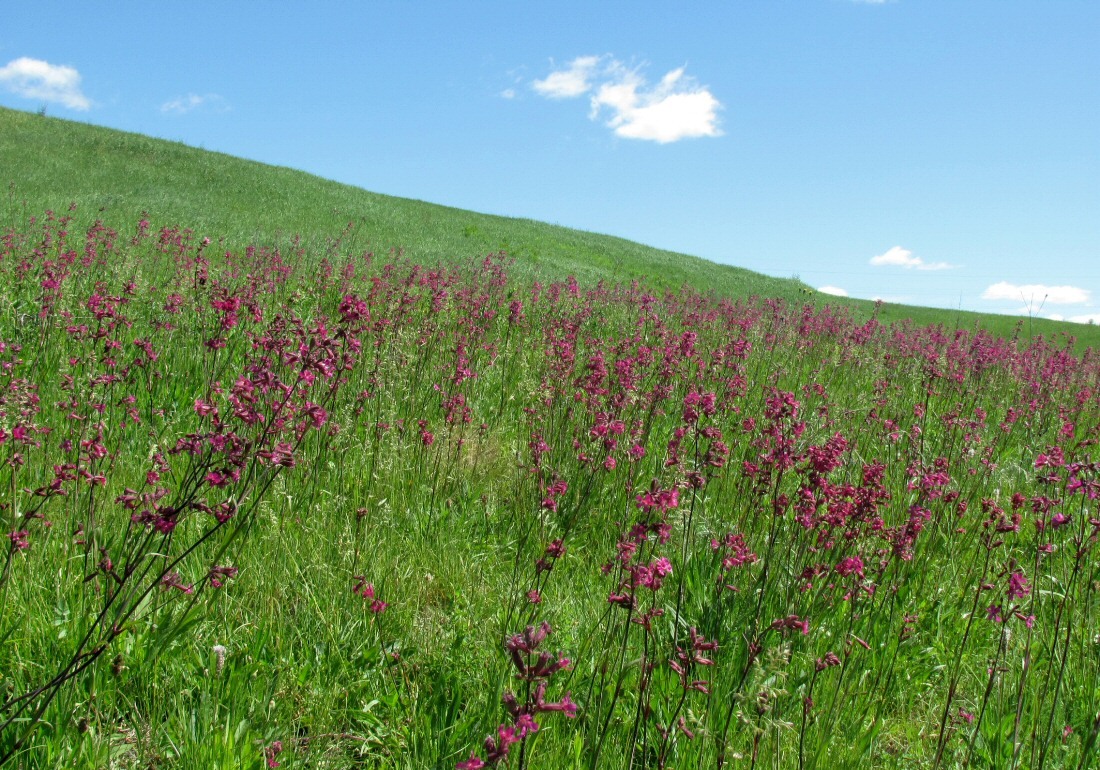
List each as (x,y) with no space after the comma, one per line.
(51,163)
(48,163)
(291,505)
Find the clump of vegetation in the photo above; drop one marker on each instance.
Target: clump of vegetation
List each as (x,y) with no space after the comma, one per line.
(271,507)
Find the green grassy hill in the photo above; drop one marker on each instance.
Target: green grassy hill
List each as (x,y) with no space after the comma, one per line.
(253,517)
(50,163)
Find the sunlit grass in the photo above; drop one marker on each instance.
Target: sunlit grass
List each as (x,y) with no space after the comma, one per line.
(761,534)
(47,163)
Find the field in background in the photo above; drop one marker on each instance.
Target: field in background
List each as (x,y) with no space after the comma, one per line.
(48,163)
(297,508)
(281,491)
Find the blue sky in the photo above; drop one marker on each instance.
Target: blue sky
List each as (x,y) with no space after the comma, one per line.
(940,153)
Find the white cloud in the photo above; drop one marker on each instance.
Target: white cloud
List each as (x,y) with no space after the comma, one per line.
(676,108)
(181,105)
(836,291)
(904,258)
(897,256)
(569,82)
(508,93)
(37,79)
(1090,318)
(1037,293)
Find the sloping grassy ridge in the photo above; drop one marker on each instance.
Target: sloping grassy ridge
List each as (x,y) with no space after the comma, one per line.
(262,510)
(55,162)
(49,163)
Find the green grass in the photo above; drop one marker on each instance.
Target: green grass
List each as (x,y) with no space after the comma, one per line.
(449,531)
(120,363)
(53,162)
(48,163)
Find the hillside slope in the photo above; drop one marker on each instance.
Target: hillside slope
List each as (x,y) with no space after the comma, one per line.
(48,163)
(54,162)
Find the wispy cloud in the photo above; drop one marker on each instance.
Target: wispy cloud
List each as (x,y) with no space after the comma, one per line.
(574,80)
(1037,293)
(1090,318)
(181,105)
(899,257)
(674,109)
(37,79)
(836,291)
